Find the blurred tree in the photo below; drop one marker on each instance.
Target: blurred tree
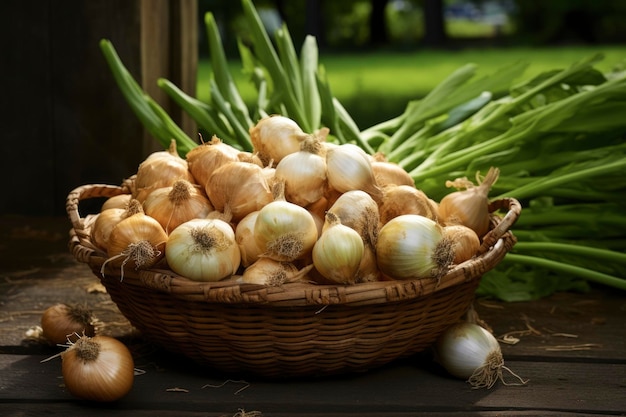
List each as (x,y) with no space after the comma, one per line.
(434,23)
(567,21)
(378,23)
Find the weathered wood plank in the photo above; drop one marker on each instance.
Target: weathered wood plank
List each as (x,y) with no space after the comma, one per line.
(402,388)
(569,325)
(65,122)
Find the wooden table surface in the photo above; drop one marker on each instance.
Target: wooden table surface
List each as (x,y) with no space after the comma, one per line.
(570,347)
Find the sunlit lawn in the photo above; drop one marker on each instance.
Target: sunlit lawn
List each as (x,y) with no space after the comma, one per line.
(376,86)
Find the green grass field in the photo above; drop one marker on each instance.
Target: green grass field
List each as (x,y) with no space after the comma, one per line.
(376,86)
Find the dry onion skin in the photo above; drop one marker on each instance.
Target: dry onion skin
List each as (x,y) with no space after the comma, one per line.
(304,173)
(468,351)
(204,159)
(62,323)
(274,137)
(99,368)
(338,252)
(405,199)
(244,236)
(465,242)
(239,188)
(413,247)
(117,201)
(285,231)
(358,210)
(160,169)
(107,219)
(267,271)
(389,173)
(349,168)
(171,206)
(203,250)
(137,241)
(470,205)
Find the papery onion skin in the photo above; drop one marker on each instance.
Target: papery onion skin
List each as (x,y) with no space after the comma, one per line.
(338,252)
(405,199)
(285,231)
(62,322)
(137,231)
(304,174)
(240,187)
(469,206)
(205,158)
(349,168)
(117,201)
(160,169)
(465,347)
(267,271)
(465,242)
(176,204)
(101,228)
(388,173)
(244,235)
(412,247)
(203,250)
(99,368)
(273,137)
(358,210)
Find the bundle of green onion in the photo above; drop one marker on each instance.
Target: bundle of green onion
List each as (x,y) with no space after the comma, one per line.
(558,140)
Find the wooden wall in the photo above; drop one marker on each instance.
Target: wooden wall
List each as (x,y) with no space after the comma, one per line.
(64,120)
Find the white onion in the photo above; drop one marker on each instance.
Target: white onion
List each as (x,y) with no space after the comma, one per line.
(468,351)
(413,247)
(203,250)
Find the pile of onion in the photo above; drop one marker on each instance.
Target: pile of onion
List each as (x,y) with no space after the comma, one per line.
(323,212)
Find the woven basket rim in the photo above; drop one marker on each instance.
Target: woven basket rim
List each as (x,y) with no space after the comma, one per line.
(495,244)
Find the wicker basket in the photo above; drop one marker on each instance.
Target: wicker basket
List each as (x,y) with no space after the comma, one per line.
(297,329)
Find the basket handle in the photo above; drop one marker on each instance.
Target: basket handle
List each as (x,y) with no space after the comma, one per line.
(501,225)
(85,192)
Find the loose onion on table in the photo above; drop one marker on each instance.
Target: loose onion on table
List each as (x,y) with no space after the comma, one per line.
(99,368)
(468,351)
(63,322)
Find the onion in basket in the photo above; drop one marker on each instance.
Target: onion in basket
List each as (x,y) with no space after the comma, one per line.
(413,247)
(338,252)
(285,231)
(470,205)
(137,241)
(203,250)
